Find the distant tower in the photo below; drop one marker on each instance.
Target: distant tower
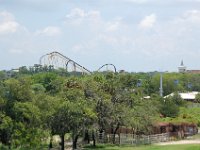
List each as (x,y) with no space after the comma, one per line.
(182,68)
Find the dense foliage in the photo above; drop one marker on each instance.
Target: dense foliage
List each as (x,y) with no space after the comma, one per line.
(35,105)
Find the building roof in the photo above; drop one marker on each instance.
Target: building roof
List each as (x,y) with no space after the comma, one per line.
(186,96)
(193,71)
(182,63)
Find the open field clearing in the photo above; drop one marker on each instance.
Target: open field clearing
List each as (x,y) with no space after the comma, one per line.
(182,142)
(149,147)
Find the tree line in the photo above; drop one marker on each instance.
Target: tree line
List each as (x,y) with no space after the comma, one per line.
(36,106)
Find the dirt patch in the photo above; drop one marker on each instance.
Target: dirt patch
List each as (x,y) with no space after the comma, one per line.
(180,142)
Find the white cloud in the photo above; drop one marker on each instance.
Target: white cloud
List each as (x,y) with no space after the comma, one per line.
(148,21)
(188,0)
(8,23)
(175,38)
(77,16)
(6,16)
(187,23)
(85,47)
(114,25)
(49,31)
(159,2)
(80,13)
(95,32)
(116,40)
(137,1)
(93,20)
(76,13)
(170,38)
(17,39)
(193,15)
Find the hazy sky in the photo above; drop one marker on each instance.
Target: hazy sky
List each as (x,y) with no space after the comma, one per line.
(134,35)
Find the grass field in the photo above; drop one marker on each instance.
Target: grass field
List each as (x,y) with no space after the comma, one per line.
(113,147)
(148,147)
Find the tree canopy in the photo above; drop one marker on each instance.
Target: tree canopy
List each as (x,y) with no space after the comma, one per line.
(35,105)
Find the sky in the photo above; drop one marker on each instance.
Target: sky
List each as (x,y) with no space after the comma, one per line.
(134,35)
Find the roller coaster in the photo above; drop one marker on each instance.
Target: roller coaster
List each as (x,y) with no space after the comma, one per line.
(107,67)
(58,60)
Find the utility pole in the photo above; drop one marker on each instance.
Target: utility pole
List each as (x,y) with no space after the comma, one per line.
(161,85)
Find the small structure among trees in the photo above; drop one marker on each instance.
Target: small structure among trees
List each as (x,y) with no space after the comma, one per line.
(177,130)
(188,96)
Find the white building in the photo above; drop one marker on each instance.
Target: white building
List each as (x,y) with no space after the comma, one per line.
(189,96)
(182,68)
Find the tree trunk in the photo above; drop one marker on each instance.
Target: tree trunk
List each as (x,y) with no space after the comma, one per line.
(100,134)
(75,139)
(9,146)
(87,137)
(50,142)
(94,140)
(62,142)
(114,133)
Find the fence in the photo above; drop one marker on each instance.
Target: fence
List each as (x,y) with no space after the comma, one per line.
(107,138)
(131,139)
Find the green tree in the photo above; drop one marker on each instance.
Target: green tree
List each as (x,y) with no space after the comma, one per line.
(169,108)
(6,129)
(197,98)
(27,119)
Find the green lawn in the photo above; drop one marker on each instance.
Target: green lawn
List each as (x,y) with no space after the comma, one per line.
(149,147)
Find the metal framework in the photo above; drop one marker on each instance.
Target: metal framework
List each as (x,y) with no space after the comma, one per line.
(58,60)
(107,65)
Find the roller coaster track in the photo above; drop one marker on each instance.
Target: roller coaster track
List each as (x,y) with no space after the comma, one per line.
(58,60)
(106,65)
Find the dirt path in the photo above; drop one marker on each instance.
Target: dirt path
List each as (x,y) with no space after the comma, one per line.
(180,142)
